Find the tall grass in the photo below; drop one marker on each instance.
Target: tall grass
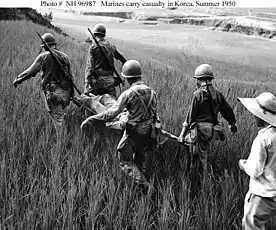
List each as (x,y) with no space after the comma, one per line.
(81,186)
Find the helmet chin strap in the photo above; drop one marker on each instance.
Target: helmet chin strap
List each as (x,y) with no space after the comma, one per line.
(201,83)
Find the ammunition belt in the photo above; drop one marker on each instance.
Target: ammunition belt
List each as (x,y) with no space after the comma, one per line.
(51,86)
(102,72)
(143,122)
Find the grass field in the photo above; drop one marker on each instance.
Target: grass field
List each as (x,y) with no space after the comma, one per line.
(81,186)
(164,42)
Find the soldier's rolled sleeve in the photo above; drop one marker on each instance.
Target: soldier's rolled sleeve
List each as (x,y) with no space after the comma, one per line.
(114,111)
(33,69)
(191,115)
(227,112)
(119,56)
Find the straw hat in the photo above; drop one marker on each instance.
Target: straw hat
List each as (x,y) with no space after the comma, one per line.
(263,106)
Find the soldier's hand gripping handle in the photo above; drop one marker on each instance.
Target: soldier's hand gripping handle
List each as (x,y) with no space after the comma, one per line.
(233,128)
(184,130)
(180,139)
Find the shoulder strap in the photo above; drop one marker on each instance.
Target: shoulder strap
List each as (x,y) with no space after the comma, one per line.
(104,50)
(146,107)
(212,104)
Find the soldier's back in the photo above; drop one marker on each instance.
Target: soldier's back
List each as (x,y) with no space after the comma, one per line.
(136,107)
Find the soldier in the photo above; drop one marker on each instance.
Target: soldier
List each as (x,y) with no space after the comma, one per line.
(260,200)
(99,77)
(140,102)
(57,90)
(207,101)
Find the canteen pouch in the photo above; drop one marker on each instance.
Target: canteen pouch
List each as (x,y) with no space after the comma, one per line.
(218,133)
(191,136)
(51,97)
(155,130)
(141,129)
(65,84)
(55,95)
(101,83)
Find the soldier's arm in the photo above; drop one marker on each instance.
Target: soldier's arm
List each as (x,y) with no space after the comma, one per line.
(227,112)
(114,111)
(191,115)
(70,72)
(31,71)
(89,70)
(190,118)
(119,56)
(154,109)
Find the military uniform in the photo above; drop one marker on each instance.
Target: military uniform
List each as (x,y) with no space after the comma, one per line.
(99,72)
(206,103)
(56,97)
(136,140)
(204,115)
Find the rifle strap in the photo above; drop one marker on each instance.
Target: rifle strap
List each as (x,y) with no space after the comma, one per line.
(56,58)
(105,56)
(146,107)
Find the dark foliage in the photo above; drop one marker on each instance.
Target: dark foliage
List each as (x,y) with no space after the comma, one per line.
(28,14)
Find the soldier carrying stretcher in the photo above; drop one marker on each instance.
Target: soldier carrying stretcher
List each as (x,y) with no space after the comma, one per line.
(57,81)
(99,71)
(140,102)
(201,118)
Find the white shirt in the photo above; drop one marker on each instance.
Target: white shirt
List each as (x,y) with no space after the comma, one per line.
(261,163)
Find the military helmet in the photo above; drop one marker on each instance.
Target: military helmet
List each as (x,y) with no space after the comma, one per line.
(99,29)
(49,39)
(131,69)
(205,71)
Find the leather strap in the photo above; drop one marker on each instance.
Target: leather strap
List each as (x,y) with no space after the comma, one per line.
(146,107)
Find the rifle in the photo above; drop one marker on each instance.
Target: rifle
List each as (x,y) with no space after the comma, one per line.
(82,105)
(67,75)
(106,58)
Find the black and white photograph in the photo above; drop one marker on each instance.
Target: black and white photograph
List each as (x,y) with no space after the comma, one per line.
(138,114)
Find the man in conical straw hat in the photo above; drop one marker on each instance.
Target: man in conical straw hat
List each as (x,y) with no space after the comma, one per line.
(260,200)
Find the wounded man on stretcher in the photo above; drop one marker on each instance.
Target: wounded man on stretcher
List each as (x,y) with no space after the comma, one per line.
(100,103)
